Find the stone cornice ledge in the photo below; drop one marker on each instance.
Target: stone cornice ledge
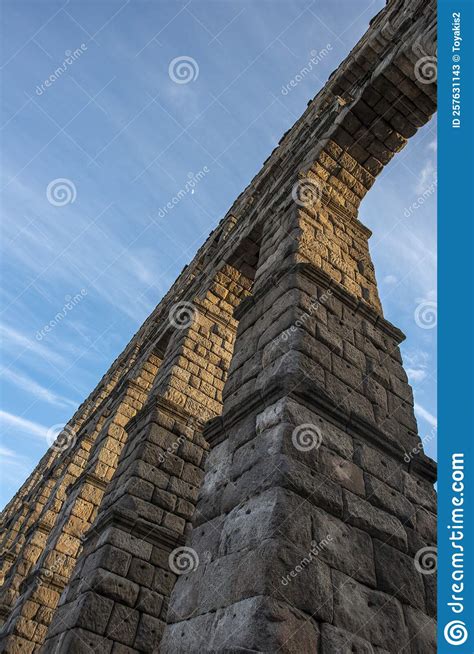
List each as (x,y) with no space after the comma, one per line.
(341,212)
(158,403)
(7,556)
(88,477)
(320,277)
(221,318)
(138,527)
(39,526)
(216,430)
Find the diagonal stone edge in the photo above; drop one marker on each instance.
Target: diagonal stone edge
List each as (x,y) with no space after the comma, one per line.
(138,527)
(319,276)
(215,431)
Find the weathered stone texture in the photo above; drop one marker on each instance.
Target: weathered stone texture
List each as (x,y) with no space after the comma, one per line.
(261,418)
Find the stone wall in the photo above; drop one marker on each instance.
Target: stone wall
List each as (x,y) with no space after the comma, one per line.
(243,477)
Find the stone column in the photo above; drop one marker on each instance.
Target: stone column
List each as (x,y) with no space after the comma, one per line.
(47,559)
(317,501)
(10,513)
(18,514)
(45,487)
(118,596)
(40,515)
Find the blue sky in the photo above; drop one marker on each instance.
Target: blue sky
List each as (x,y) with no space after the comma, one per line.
(126,138)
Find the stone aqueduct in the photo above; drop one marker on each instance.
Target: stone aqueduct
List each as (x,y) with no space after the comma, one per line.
(277,334)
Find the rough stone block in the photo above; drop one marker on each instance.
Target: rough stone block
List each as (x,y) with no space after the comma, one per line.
(124,541)
(264,571)
(422,631)
(81,641)
(289,411)
(342,471)
(338,641)
(345,548)
(91,612)
(115,587)
(260,518)
(420,492)
(18,645)
(149,602)
(141,572)
(398,576)
(431,594)
(387,498)
(380,465)
(361,514)
(378,618)
(254,624)
(329,338)
(426,526)
(163,581)
(286,473)
(347,372)
(123,623)
(149,634)
(110,558)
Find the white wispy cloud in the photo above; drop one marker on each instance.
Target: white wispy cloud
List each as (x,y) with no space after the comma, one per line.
(417,365)
(12,339)
(426,177)
(65,252)
(15,467)
(23,426)
(34,388)
(416,375)
(416,358)
(426,415)
(390,279)
(415,259)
